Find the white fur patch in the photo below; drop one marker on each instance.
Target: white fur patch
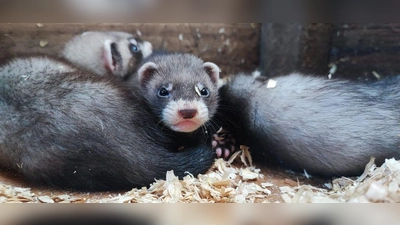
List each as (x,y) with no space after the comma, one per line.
(170,87)
(173,120)
(146,48)
(197,90)
(222,82)
(133,41)
(107,55)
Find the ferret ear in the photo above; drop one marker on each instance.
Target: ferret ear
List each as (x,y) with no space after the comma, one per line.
(146,71)
(212,70)
(107,56)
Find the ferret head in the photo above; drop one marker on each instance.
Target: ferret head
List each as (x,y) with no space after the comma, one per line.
(115,53)
(181,89)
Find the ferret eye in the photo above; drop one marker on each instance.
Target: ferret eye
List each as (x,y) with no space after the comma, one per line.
(163,93)
(204,92)
(134,48)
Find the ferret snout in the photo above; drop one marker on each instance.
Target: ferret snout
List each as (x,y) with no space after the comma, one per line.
(188,113)
(184,115)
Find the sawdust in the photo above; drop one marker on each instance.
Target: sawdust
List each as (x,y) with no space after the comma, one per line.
(238,182)
(376,184)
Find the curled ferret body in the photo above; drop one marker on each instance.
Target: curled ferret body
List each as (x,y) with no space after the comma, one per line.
(72,129)
(326,127)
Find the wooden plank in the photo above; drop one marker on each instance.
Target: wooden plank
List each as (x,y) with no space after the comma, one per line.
(287,48)
(360,50)
(234,47)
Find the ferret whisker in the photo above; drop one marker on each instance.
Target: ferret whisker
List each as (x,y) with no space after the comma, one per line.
(161,124)
(214,126)
(225,119)
(230,108)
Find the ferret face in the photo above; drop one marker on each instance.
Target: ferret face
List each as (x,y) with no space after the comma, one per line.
(115,53)
(181,89)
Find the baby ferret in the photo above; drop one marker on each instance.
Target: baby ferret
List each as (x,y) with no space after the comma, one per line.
(68,128)
(113,52)
(186,90)
(326,127)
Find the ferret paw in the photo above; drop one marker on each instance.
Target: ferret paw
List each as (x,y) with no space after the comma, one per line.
(223,143)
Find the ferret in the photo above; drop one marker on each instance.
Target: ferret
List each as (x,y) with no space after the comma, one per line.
(107,53)
(65,127)
(325,127)
(186,98)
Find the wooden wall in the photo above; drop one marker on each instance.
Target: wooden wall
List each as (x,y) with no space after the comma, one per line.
(234,47)
(287,48)
(358,51)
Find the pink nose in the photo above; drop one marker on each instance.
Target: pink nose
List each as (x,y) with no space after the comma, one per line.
(188,113)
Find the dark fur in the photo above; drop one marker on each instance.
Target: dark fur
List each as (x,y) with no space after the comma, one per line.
(82,131)
(327,127)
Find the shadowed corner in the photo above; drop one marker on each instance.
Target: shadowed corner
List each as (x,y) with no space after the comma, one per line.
(99,218)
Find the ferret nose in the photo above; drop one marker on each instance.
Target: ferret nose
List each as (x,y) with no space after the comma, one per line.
(188,113)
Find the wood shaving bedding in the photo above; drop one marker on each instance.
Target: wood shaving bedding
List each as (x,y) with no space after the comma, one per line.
(376,184)
(232,182)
